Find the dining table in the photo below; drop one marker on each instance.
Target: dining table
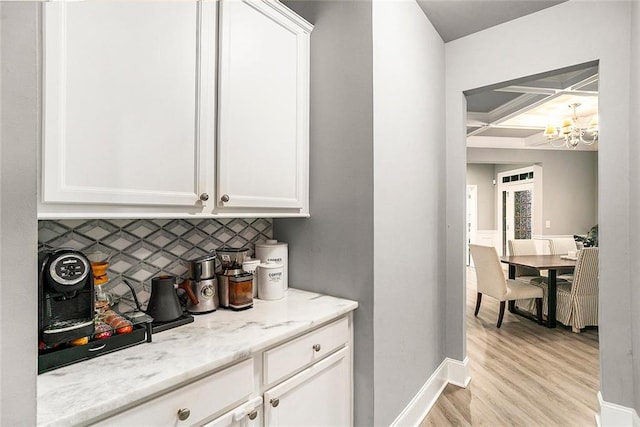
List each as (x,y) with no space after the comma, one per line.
(551,263)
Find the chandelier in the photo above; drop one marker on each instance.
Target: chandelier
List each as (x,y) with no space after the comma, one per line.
(570,134)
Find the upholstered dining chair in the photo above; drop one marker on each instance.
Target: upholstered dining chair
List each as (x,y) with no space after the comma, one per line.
(577,302)
(525,274)
(524,247)
(562,246)
(491,281)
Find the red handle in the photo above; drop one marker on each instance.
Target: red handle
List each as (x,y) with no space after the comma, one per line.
(185,285)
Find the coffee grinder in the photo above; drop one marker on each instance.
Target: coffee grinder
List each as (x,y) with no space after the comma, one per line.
(65,297)
(202,286)
(235,285)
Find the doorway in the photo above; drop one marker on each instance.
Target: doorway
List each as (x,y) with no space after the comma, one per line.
(518,161)
(519,205)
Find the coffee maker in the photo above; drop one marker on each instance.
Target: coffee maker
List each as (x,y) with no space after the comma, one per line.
(235,284)
(65,297)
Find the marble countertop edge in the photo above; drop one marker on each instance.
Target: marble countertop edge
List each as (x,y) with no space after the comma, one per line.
(179,356)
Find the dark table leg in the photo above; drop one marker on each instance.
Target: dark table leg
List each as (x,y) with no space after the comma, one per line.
(551,315)
(512,276)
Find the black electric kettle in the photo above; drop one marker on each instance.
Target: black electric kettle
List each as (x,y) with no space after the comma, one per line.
(164,305)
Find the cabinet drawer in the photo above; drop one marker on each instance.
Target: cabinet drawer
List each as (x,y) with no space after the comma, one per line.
(288,358)
(204,399)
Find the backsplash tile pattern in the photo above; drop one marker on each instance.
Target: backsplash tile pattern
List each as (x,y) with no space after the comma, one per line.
(142,249)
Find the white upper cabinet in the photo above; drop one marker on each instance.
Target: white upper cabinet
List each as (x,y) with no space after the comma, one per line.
(263,109)
(125,88)
(151,110)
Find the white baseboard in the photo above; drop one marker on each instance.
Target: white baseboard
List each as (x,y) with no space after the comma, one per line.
(612,415)
(458,372)
(450,371)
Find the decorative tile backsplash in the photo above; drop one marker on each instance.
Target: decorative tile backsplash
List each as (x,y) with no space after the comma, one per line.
(142,249)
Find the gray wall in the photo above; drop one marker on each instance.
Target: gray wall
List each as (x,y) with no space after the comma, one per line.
(634,125)
(483,175)
(19,106)
(408,70)
(604,35)
(400,323)
(332,252)
(570,184)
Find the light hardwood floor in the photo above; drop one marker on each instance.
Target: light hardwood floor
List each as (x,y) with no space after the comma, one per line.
(522,374)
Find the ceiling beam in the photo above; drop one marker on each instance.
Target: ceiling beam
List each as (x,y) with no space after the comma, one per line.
(517,105)
(528,107)
(477,131)
(529,89)
(586,81)
(545,91)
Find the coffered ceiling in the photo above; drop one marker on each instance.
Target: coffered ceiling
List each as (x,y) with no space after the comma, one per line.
(514,114)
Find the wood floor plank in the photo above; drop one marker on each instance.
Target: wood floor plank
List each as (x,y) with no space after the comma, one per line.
(522,374)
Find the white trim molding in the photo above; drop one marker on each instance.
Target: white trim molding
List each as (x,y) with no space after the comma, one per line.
(450,371)
(613,415)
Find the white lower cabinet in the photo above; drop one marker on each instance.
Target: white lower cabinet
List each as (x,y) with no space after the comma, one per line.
(306,381)
(194,403)
(318,396)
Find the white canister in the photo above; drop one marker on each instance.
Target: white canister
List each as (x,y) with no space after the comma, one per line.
(274,251)
(250,266)
(270,281)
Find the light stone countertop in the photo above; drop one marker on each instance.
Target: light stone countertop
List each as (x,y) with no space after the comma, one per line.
(81,392)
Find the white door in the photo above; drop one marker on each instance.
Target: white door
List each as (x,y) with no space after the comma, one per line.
(123,99)
(263,106)
(318,396)
(517,212)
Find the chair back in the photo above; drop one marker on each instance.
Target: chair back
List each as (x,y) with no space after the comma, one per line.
(523,247)
(489,273)
(562,245)
(585,278)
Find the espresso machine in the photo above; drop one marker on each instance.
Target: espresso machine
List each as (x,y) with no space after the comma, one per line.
(65,297)
(234,284)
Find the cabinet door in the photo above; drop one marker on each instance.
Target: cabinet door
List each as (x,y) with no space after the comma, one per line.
(263,106)
(125,85)
(317,396)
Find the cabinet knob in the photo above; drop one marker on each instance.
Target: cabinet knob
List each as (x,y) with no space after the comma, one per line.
(183,413)
(204,197)
(224,198)
(275,402)
(316,347)
(252,415)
